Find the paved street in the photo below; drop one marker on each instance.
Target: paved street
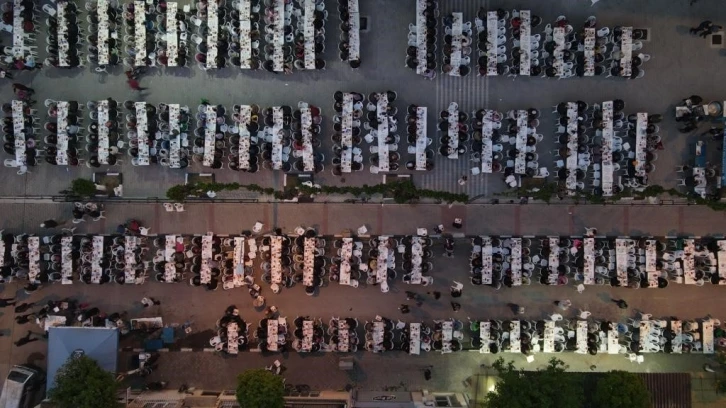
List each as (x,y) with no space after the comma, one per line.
(681,64)
(181,303)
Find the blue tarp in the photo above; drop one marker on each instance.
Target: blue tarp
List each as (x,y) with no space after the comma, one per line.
(98,343)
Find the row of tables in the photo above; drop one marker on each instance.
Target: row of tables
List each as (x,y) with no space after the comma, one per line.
(457,37)
(172,34)
(140,33)
(421,138)
(354,31)
(103,32)
(18,131)
(174,136)
(489,120)
(210,131)
(346,122)
(382,131)
(245,26)
(245,137)
(212,34)
(142,133)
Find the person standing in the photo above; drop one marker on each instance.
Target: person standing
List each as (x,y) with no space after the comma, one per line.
(25,340)
(49,224)
(456,306)
(621,303)
(458,223)
(710,30)
(134,84)
(564,304)
(20,87)
(703,26)
(150,301)
(7,302)
(23,307)
(404,308)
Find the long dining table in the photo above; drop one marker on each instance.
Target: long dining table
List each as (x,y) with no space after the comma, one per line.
(276,259)
(626,50)
(525,42)
(607,149)
(62,34)
(453,130)
(553,261)
(212,34)
(210,130)
(346,138)
(622,250)
(414,338)
(140,33)
(421,32)
(492,46)
(486,260)
(103,32)
(520,162)
(131,245)
(19,50)
(277,137)
(589,266)
(278,36)
(245,138)
(589,42)
(309,261)
(205,275)
(484,333)
(33,259)
(457,38)
(142,133)
(641,141)
(18,132)
(558,34)
(172,34)
(487,132)
(103,131)
(384,257)
(571,163)
(244,7)
(308,30)
(354,30)
(97,258)
(421,137)
(650,263)
(346,252)
(174,136)
(66,260)
(170,242)
(61,154)
(516,263)
(721,255)
(306,122)
(382,114)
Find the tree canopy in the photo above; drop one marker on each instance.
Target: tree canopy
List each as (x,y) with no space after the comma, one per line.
(621,389)
(82,383)
(259,388)
(549,387)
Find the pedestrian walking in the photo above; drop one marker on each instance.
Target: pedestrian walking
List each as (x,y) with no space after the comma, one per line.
(410,295)
(20,87)
(621,303)
(437,295)
(49,224)
(704,25)
(25,340)
(419,303)
(711,30)
(427,374)
(458,223)
(456,306)
(516,309)
(23,307)
(22,319)
(563,304)
(150,302)
(7,302)
(404,308)
(134,84)
(462,180)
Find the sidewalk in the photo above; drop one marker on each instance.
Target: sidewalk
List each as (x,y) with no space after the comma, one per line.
(501,219)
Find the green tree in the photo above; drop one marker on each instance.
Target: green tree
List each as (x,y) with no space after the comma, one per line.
(621,389)
(549,387)
(82,383)
(83,187)
(259,388)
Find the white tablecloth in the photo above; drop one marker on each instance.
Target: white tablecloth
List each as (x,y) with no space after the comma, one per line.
(525,42)
(520,162)
(306,120)
(421,138)
(142,133)
(210,130)
(174,141)
(18,126)
(346,156)
(516,264)
(103,117)
(492,42)
(140,33)
(607,149)
(172,34)
(589,270)
(640,143)
(626,48)
(382,111)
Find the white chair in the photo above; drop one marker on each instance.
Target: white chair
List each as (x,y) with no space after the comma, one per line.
(179,207)
(556,317)
(169,207)
(457,286)
(584,315)
(257,228)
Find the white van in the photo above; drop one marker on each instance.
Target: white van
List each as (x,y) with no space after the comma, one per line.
(20,387)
